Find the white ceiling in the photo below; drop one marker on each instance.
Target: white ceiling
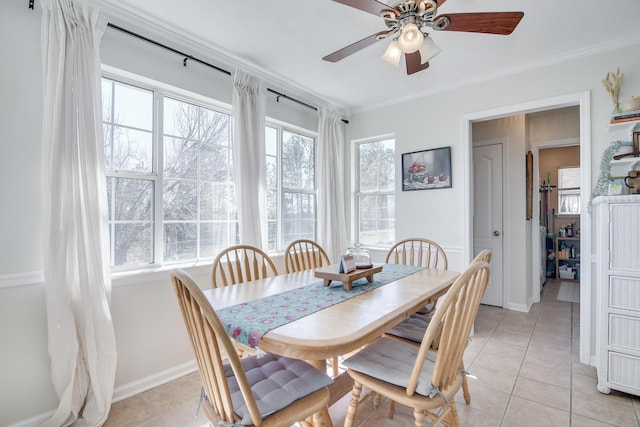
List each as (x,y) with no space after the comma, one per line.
(285,40)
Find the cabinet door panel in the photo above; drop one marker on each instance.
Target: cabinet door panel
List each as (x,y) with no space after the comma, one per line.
(624,371)
(625,229)
(624,332)
(624,293)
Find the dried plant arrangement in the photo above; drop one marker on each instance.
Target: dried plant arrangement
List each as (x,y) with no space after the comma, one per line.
(612,83)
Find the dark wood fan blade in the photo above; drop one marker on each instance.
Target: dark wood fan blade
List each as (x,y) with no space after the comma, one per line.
(354,47)
(371,6)
(412,61)
(484,22)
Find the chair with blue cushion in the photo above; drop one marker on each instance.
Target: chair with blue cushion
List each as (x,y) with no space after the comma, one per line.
(252,391)
(409,375)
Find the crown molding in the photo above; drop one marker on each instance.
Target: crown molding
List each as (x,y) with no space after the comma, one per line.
(529,66)
(135,19)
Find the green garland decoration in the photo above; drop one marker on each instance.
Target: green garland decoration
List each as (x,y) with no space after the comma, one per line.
(602,186)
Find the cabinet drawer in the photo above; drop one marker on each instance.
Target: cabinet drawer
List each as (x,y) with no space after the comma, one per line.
(624,293)
(624,331)
(624,370)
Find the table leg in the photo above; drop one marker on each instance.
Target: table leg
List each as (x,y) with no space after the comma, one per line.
(370,278)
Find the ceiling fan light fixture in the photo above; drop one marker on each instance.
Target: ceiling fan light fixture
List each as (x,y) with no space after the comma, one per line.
(411,38)
(428,49)
(393,54)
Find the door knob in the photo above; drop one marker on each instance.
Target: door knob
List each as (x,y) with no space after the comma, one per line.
(496,233)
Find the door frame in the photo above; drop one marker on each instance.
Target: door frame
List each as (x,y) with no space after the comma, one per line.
(583,100)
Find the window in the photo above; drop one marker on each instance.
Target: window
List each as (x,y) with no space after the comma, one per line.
(291,188)
(569,191)
(375,192)
(169,181)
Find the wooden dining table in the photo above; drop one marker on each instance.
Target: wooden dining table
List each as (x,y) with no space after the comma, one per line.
(341,328)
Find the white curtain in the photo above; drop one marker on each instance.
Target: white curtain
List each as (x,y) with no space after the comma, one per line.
(82,345)
(332,230)
(249,164)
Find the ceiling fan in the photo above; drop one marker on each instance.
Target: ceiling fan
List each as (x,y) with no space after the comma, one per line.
(406,24)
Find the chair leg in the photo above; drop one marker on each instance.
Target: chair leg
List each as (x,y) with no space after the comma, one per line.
(392,409)
(334,366)
(376,400)
(465,386)
(465,390)
(452,416)
(353,404)
(418,415)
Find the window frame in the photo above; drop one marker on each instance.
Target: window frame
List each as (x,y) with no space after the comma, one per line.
(577,190)
(281,128)
(357,193)
(160,92)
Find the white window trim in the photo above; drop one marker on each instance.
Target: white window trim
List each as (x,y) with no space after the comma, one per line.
(355,186)
(160,91)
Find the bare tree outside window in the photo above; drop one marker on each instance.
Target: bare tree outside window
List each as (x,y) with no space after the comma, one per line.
(193,180)
(291,188)
(375,192)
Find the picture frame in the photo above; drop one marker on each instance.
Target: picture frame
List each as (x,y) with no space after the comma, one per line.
(427,169)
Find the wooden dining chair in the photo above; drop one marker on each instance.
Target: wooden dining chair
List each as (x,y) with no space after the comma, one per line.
(304,254)
(411,331)
(419,252)
(239,264)
(406,374)
(264,391)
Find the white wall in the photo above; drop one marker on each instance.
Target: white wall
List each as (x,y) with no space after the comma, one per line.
(150,336)
(436,120)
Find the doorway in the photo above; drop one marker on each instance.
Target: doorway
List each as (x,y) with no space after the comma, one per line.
(521,290)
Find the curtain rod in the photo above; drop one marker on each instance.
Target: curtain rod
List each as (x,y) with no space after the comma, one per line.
(188,57)
(193,58)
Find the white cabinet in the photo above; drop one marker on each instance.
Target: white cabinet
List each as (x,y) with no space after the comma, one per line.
(617,222)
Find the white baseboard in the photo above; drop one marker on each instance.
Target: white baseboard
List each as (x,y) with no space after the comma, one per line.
(127,390)
(524,308)
(36,421)
(155,380)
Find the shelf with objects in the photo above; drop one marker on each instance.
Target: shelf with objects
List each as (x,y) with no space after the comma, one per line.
(568,258)
(546,223)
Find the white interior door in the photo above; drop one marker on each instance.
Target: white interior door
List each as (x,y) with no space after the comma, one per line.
(487,214)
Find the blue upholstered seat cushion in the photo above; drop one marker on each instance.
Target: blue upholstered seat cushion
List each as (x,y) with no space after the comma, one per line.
(412,328)
(276,382)
(392,361)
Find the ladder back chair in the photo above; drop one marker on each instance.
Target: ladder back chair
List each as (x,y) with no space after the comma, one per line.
(406,374)
(268,391)
(304,254)
(411,331)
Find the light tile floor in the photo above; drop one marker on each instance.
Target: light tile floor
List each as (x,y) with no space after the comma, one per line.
(525,372)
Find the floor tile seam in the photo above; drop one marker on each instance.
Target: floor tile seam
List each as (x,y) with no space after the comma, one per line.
(513,387)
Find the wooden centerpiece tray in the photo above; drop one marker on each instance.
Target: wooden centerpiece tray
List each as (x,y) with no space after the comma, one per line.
(332,273)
